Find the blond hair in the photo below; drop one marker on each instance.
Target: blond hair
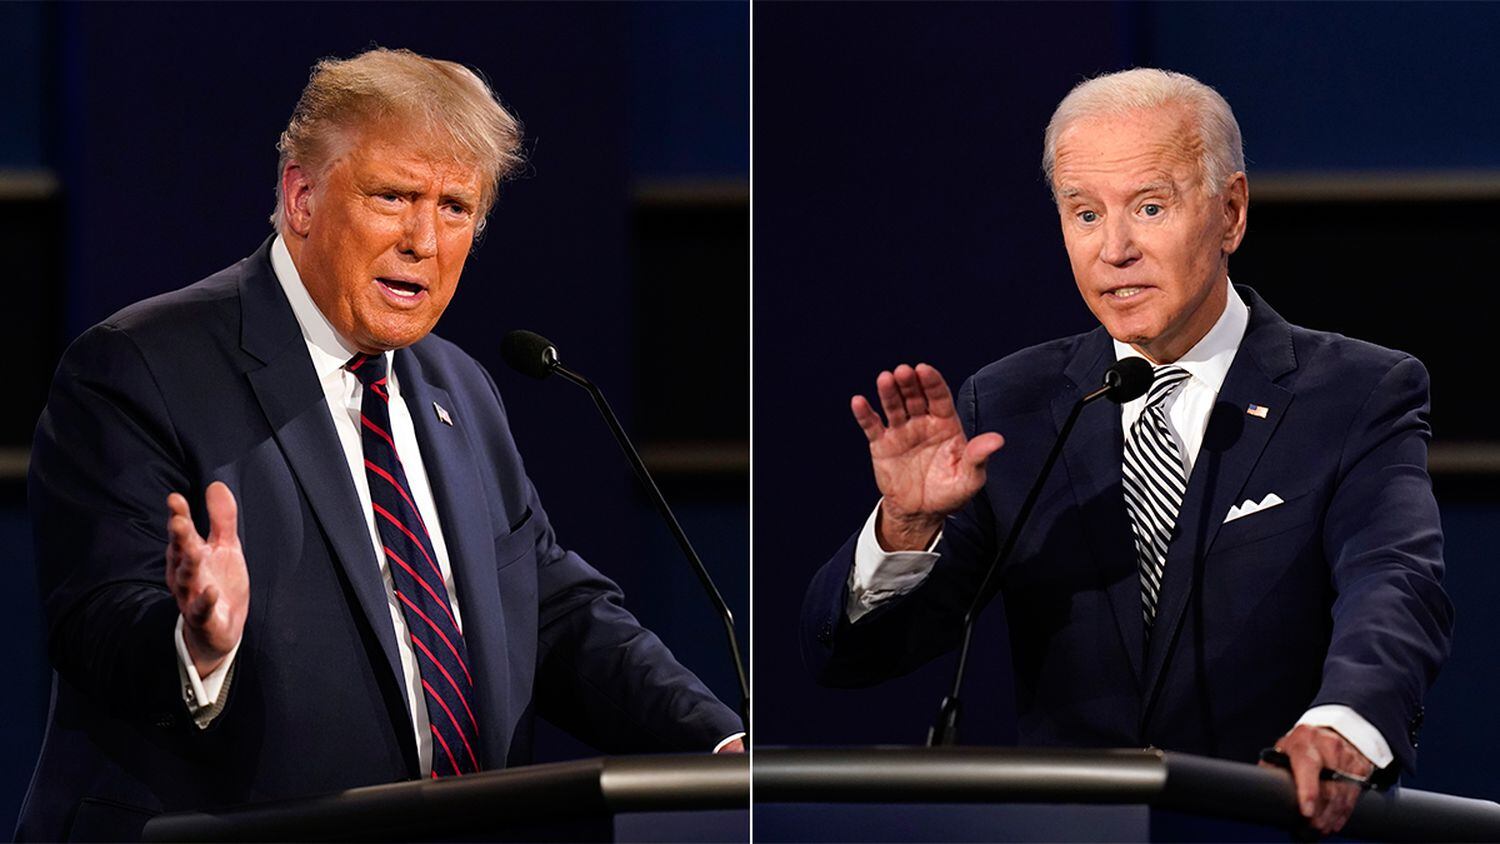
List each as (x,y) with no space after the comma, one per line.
(443,98)
(1146,88)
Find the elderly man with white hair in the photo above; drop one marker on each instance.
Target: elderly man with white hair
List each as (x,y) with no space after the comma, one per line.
(1247,556)
(285,539)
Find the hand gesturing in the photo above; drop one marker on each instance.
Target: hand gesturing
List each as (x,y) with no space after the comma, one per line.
(924,465)
(208,578)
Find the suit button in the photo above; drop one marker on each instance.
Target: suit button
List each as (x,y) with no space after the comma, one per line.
(825,633)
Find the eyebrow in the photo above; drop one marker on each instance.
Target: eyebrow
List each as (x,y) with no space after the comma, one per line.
(1159,186)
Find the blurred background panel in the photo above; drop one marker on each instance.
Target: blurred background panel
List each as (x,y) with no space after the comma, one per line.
(137,155)
(901,215)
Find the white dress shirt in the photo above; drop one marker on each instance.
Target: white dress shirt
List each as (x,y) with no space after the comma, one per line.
(879,575)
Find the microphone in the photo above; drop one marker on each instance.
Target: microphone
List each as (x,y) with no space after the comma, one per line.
(529,353)
(532,354)
(1126,380)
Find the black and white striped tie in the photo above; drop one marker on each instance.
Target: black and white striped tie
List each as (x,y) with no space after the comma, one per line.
(1154,485)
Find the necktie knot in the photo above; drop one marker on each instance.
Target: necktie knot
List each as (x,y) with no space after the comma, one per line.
(1166,380)
(369,369)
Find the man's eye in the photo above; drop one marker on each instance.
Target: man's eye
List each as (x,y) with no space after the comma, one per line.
(1151,209)
(390,197)
(1087,216)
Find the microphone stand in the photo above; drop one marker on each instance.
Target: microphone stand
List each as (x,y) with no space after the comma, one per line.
(550,357)
(944,730)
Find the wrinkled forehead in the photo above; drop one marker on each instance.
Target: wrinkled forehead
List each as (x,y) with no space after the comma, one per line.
(411,149)
(1099,153)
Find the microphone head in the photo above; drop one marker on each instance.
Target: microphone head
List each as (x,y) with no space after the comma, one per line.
(529,353)
(1128,379)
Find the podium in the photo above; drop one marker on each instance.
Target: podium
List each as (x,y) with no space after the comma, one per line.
(1029,794)
(624,798)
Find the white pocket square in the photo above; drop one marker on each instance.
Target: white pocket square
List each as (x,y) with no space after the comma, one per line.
(1239,511)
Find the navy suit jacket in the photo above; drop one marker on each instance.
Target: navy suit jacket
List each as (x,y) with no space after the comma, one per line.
(1331,597)
(213,382)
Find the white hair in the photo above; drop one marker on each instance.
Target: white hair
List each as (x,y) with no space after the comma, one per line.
(1222,152)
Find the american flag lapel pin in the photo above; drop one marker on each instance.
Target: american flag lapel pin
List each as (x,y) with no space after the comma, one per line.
(1258,411)
(442,414)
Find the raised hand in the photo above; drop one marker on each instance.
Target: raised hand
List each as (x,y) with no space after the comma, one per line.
(924,465)
(208,577)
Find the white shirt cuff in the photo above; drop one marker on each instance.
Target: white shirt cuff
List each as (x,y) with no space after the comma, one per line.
(1354,728)
(200,693)
(880,575)
(727,739)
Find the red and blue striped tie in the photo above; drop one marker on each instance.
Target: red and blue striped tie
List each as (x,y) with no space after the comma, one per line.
(441,656)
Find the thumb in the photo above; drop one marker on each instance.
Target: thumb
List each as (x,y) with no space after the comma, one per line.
(223,514)
(981,447)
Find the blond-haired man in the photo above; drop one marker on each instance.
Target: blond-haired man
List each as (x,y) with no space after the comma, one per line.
(378,594)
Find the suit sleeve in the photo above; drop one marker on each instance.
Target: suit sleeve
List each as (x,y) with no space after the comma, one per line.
(905,632)
(104,458)
(1392,621)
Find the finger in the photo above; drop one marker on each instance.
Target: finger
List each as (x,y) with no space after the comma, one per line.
(981,447)
(1341,802)
(911,390)
(1306,766)
(1336,806)
(868,419)
(223,514)
(184,544)
(939,399)
(890,399)
(177,505)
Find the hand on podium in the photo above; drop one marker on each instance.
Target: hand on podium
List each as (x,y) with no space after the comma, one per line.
(1326,803)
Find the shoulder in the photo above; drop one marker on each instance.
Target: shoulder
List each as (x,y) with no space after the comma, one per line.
(1346,368)
(1033,376)
(188,324)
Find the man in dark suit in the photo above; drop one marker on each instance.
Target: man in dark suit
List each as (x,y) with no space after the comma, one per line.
(379,595)
(1250,550)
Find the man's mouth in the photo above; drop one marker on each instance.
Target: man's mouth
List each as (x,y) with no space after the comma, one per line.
(401,289)
(1125,292)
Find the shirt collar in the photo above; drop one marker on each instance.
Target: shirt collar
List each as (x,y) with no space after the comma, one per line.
(328,349)
(1209,359)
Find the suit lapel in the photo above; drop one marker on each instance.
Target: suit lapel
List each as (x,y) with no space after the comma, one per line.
(294,404)
(1092,456)
(469,533)
(1232,446)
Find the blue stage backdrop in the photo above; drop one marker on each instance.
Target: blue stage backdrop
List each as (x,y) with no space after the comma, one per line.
(161,122)
(901,216)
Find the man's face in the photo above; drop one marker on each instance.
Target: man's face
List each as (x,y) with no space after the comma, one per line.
(1149,246)
(381,238)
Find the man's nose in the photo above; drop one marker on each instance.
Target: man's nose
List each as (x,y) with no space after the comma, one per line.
(420,239)
(1119,242)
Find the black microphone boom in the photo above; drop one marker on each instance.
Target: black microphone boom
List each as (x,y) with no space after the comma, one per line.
(1128,379)
(532,354)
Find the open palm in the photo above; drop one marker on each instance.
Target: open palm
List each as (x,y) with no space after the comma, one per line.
(208,577)
(924,465)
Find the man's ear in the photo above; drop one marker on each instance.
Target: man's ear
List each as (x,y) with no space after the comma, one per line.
(1236,210)
(297,198)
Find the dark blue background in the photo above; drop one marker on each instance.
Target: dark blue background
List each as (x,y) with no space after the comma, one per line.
(900,215)
(161,121)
